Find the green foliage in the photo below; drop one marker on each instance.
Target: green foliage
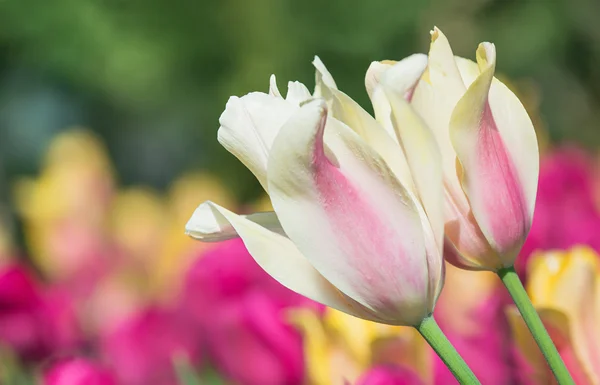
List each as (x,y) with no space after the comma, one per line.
(153,76)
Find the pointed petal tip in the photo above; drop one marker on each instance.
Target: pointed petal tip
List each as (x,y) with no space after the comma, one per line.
(204,225)
(486,54)
(273,89)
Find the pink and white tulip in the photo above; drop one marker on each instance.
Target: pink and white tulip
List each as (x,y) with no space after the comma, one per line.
(488,148)
(351,229)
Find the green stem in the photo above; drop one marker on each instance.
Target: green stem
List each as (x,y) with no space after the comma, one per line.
(512,282)
(432,333)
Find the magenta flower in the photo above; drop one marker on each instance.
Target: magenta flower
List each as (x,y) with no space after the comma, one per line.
(565,213)
(35,322)
(78,371)
(242,313)
(487,350)
(143,348)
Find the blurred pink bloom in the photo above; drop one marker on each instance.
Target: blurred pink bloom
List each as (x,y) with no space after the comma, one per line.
(35,321)
(391,375)
(471,311)
(488,351)
(143,348)
(565,214)
(78,371)
(242,313)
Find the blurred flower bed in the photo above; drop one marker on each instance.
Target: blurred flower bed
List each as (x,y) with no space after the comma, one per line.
(113,292)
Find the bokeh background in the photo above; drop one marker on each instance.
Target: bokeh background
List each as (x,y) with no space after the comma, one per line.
(109,111)
(151,78)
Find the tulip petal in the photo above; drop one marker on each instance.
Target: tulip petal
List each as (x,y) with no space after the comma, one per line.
(348,214)
(551,285)
(324,82)
(375,72)
(297,93)
(273,89)
(206,227)
(424,159)
(345,109)
(406,76)
(434,99)
(249,125)
(558,325)
(515,127)
(489,178)
(274,252)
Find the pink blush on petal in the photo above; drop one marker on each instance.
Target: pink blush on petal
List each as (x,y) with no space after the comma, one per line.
(387,273)
(500,189)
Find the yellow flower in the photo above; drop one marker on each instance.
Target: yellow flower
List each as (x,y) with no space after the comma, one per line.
(564,286)
(65,209)
(339,347)
(178,249)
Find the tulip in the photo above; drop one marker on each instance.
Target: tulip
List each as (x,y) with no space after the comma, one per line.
(565,289)
(35,322)
(566,214)
(389,375)
(471,311)
(78,371)
(339,347)
(143,348)
(64,210)
(489,154)
(358,216)
(488,149)
(349,228)
(240,312)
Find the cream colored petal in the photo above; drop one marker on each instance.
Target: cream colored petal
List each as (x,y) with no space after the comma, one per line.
(323,80)
(297,93)
(248,127)
(346,110)
(490,178)
(273,89)
(435,97)
(422,153)
(515,127)
(403,79)
(275,253)
(374,74)
(351,218)
(207,227)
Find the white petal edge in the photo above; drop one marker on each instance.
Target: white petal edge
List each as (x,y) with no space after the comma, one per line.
(278,256)
(248,127)
(335,236)
(205,226)
(345,109)
(516,129)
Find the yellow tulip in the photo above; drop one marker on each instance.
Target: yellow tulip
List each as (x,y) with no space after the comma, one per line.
(564,286)
(339,348)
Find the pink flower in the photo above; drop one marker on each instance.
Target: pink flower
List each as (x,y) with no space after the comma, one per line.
(143,348)
(471,312)
(242,313)
(78,371)
(390,375)
(565,213)
(35,322)
(488,352)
